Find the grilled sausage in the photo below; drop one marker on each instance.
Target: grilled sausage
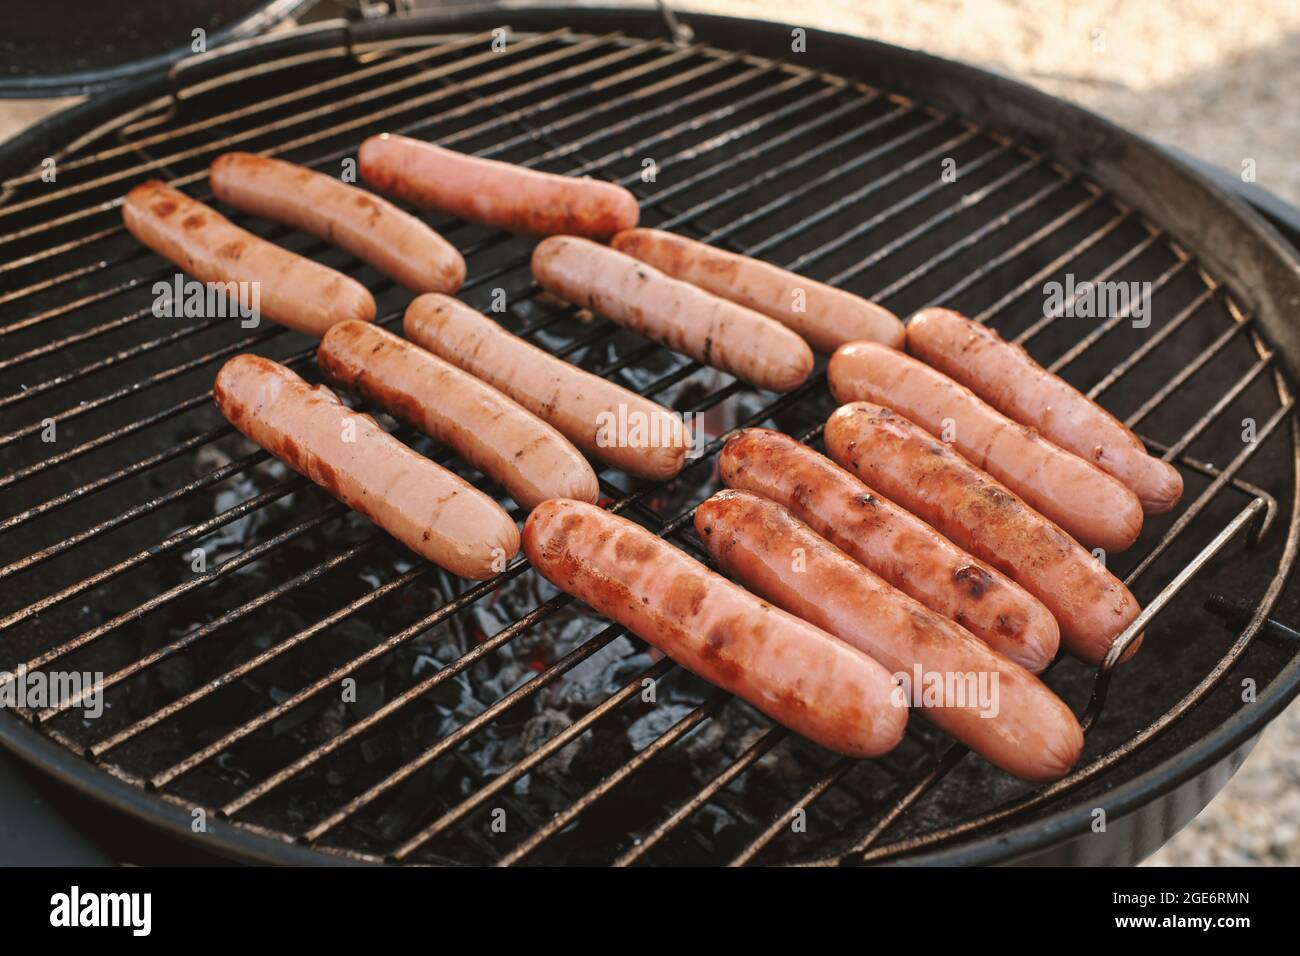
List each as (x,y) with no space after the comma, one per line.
(372,229)
(605,420)
(825,316)
(293,291)
(1098,510)
(499,437)
(494,193)
(795,673)
(990,704)
(673,313)
(420,503)
(1004,375)
(936,484)
(893,543)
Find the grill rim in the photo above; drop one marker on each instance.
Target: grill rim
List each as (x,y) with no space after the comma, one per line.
(731,33)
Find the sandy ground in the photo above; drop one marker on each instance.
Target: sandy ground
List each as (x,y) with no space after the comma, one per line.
(1214,79)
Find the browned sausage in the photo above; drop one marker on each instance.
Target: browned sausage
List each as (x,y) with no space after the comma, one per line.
(587,409)
(293,291)
(421,504)
(825,316)
(1006,377)
(372,229)
(494,193)
(673,313)
(936,484)
(893,543)
(499,437)
(992,705)
(795,673)
(1085,501)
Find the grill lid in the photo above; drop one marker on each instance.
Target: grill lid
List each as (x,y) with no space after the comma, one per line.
(85,46)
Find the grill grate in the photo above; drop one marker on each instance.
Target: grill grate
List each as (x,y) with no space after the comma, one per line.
(502,700)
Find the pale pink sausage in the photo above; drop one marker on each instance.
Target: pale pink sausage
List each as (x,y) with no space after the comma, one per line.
(673,313)
(433,512)
(292,291)
(995,707)
(499,437)
(1005,376)
(797,674)
(825,316)
(372,229)
(893,543)
(1085,501)
(605,420)
(977,513)
(494,193)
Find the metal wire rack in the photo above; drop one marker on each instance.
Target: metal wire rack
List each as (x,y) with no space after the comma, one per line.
(223,671)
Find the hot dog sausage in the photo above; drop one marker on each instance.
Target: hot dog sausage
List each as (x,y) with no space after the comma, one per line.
(588,410)
(1085,501)
(795,673)
(293,291)
(893,543)
(975,512)
(1004,375)
(673,313)
(372,229)
(992,705)
(499,437)
(825,316)
(494,193)
(420,503)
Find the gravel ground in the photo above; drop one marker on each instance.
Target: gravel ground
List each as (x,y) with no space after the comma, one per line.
(1208,77)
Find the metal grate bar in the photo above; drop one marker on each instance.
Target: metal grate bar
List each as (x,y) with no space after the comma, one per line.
(644,756)
(751,755)
(1036,280)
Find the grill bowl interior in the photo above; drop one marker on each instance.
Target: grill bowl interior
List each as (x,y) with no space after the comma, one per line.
(503,701)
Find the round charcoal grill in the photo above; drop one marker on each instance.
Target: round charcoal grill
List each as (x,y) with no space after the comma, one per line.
(280,665)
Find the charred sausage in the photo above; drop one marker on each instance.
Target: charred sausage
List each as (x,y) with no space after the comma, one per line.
(588,410)
(1004,375)
(977,513)
(494,193)
(825,316)
(992,705)
(499,437)
(372,229)
(421,504)
(797,674)
(1098,510)
(293,291)
(893,543)
(673,313)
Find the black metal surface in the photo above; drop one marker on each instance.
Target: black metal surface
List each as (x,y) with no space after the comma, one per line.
(1202,740)
(85,46)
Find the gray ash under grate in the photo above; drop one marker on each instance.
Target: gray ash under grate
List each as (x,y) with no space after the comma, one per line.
(502,696)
